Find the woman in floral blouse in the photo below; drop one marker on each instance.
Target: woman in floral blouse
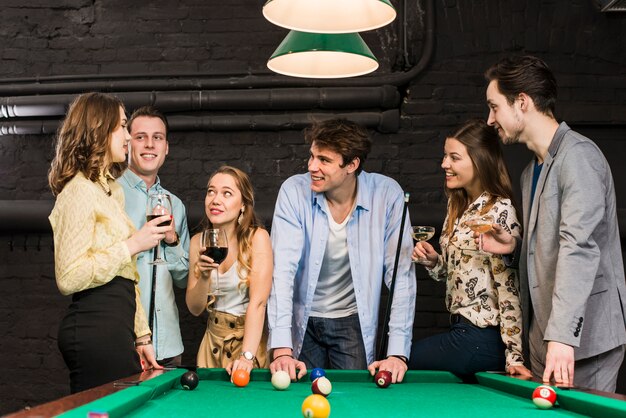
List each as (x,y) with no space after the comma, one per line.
(482,294)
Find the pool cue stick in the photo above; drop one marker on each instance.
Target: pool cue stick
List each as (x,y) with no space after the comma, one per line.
(152,293)
(382,350)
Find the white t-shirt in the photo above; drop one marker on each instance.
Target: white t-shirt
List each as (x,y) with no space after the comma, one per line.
(334,295)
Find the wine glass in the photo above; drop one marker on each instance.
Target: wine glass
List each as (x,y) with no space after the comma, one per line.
(480,224)
(159,204)
(215,246)
(422,233)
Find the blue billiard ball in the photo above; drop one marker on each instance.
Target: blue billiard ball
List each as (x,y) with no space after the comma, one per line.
(317,372)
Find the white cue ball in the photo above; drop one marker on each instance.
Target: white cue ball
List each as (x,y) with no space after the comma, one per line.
(281,380)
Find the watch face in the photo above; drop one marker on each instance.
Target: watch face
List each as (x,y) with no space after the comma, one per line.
(247,355)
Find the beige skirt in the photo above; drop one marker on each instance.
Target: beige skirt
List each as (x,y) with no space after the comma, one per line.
(223,340)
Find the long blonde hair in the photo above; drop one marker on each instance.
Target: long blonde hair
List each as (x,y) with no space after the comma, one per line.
(83,139)
(249,221)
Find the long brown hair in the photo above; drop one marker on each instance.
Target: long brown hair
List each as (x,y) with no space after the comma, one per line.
(483,148)
(249,220)
(83,139)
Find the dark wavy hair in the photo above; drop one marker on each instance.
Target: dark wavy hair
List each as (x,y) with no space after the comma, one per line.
(525,74)
(342,136)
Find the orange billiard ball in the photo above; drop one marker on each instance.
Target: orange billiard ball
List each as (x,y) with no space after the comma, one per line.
(241,377)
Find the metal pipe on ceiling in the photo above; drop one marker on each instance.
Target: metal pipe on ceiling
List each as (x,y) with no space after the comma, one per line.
(387,121)
(334,98)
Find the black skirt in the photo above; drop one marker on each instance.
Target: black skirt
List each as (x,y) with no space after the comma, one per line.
(97,336)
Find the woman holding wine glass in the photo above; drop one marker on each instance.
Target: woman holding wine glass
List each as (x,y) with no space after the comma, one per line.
(482,294)
(105,334)
(231,275)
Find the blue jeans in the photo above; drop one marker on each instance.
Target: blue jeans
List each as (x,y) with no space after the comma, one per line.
(464,350)
(334,344)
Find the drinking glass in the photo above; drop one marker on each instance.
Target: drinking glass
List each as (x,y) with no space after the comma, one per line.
(480,224)
(159,204)
(215,246)
(422,233)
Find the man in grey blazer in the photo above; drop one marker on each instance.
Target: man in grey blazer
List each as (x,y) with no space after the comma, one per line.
(571,269)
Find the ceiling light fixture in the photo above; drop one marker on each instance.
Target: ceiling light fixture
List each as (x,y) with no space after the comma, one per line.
(316,55)
(330,16)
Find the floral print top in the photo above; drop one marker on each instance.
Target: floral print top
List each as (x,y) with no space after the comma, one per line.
(480,286)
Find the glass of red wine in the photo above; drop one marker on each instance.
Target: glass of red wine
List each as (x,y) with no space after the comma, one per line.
(216,247)
(159,204)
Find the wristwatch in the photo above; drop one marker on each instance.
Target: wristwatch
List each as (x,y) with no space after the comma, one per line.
(247,355)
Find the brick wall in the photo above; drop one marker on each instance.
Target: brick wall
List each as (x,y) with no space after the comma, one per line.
(583,46)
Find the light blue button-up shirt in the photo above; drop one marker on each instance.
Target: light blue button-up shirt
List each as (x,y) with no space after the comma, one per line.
(299,235)
(166,333)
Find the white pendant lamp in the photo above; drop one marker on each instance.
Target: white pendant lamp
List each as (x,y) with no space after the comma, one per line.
(329,16)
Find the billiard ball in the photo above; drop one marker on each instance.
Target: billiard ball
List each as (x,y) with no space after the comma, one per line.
(322,386)
(315,406)
(317,372)
(544,397)
(189,380)
(281,380)
(383,378)
(241,377)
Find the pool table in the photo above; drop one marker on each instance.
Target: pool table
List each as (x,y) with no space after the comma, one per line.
(421,394)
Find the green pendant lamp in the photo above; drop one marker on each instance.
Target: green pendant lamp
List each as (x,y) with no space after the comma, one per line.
(316,55)
(329,16)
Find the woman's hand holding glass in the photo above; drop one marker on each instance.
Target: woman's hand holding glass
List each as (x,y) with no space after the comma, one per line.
(204,265)
(425,254)
(149,235)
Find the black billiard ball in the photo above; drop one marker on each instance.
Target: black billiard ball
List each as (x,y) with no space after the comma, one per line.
(189,380)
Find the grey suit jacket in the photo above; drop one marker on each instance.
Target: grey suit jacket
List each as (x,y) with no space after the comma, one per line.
(571,266)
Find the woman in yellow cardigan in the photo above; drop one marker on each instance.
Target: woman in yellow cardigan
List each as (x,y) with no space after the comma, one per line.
(105,335)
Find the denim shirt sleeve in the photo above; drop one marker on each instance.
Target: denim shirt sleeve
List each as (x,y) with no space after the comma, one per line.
(288,245)
(403,305)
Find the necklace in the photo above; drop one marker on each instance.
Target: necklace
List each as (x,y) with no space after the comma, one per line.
(106,190)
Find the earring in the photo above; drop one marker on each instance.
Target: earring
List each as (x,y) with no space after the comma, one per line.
(240,218)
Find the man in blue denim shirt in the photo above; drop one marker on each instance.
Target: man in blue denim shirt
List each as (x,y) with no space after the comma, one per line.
(334,233)
(148,148)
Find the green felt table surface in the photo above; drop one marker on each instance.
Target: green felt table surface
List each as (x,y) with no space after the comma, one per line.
(354,394)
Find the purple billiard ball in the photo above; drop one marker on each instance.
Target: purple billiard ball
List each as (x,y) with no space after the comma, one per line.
(383,378)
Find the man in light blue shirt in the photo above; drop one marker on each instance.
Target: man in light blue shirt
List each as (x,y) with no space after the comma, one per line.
(334,233)
(148,148)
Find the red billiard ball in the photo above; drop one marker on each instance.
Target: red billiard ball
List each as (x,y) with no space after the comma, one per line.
(189,380)
(322,386)
(544,397)
(383,378)
(241,377)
